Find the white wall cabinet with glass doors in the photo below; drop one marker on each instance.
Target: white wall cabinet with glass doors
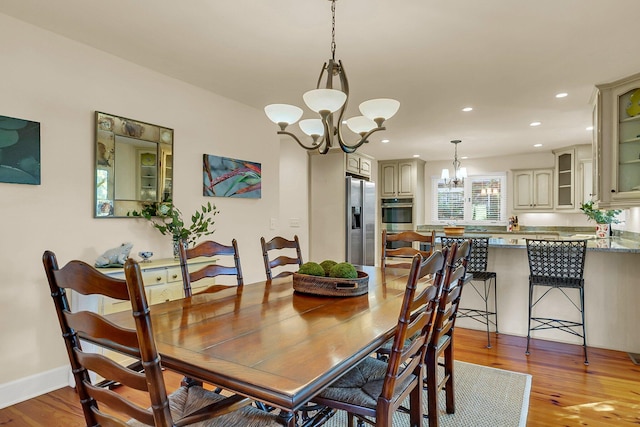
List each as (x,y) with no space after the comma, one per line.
(533,189)
(570,181)
(617,143)
(480,200)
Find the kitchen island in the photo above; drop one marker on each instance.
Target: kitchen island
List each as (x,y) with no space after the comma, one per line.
(612,293)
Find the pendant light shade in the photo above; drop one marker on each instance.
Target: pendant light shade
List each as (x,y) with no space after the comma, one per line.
(330,100)
(312,127)
(382,108)
(283,113)
(360,124)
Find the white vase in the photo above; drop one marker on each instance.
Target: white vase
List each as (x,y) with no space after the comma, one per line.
(602,231)
(176,248)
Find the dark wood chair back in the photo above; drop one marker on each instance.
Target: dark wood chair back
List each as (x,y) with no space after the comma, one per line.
(209,249)
(402,376)
(139,343)
(277,244)
(407,252)
(441,342)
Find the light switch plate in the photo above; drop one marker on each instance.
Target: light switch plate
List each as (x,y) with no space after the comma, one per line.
(294,222)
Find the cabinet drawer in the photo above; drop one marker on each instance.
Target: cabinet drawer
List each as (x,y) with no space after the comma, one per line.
(154,277)
(114,306)
(174,274)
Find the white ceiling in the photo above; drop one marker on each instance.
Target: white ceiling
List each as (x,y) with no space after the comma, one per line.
(505,58)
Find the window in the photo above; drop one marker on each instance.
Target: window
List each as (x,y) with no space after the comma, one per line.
(482,200)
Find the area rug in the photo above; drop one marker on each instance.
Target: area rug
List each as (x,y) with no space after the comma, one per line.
(485,397)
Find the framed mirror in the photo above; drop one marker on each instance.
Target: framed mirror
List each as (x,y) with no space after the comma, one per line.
(133,165)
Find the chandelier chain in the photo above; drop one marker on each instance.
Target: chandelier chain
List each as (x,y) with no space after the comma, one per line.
(333,29)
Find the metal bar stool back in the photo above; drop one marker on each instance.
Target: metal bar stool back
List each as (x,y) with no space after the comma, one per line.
(557,264)
(478,268)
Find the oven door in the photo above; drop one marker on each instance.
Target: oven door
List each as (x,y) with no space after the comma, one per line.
(397,212)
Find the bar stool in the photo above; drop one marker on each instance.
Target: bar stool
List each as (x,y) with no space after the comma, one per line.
(557,264)
(478,268)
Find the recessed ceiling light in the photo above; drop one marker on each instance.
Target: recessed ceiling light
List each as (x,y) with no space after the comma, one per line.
(464,157)
(561,95)
(589,127)
(535,123)
(384,141)
(466,109)
(537,145)
(416,155)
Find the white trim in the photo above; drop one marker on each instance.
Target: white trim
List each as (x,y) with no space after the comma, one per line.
(32,386)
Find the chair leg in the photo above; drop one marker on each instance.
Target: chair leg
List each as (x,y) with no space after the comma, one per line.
(487,291)
(529,327)
(448,371)
(584,330)
(495,301)
(432,388)
(415,409)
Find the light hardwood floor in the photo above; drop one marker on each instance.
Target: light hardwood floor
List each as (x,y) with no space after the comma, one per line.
(564,391)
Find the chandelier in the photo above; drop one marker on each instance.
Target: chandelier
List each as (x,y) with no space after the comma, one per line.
(331,104)
(459,173)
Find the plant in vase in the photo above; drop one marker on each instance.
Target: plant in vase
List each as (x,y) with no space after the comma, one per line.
(167,219)
(603,218)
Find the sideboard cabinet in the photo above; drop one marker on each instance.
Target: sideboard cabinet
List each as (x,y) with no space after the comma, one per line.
(617,143)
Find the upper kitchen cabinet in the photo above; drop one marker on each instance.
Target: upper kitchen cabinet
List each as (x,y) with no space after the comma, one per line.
(358,164)
(570,181)
(617,143)
(533,189)
(401,178)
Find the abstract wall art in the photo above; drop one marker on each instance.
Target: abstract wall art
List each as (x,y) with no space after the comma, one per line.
(226,177)
(19,151)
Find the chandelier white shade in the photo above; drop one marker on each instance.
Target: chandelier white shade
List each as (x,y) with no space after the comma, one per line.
(283,113)
(328,101)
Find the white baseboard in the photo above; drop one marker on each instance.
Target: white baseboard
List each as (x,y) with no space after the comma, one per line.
(29,387)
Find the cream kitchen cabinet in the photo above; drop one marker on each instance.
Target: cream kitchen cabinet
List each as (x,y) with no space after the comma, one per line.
(401,178)
(569,179)
(617,143)
(358,164)
(533,189)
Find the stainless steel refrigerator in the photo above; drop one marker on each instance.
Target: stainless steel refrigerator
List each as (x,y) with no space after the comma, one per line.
(361,223)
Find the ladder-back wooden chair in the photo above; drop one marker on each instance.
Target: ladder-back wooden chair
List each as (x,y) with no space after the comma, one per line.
(275,246)
(441,344)
(376,389)
(408,251)
(210,249)
(102,406)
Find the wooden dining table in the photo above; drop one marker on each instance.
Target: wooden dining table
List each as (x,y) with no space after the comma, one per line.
(270,343)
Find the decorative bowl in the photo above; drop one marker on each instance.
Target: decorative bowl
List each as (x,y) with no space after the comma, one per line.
(145,255)
(331,286)
(453,231)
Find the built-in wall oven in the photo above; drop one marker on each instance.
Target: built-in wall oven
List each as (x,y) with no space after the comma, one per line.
(397,216)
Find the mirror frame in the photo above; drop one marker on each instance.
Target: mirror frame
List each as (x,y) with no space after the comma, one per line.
(148,166)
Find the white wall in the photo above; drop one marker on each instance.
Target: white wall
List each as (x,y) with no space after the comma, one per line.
(60,83)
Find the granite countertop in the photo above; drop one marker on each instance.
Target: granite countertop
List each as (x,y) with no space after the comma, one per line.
(623,242)
(613,244)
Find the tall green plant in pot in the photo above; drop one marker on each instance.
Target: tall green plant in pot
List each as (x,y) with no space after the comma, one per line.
(168,219)
(602,217)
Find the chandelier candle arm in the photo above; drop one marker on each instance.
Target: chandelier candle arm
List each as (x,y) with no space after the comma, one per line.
(331,104)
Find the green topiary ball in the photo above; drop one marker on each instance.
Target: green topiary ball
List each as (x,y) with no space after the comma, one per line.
(327,265)
(312,269)
(344,270)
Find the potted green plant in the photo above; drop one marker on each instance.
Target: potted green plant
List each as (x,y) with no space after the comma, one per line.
(603,218)
(167,219)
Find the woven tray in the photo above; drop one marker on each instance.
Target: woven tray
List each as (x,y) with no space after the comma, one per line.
(331,286)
